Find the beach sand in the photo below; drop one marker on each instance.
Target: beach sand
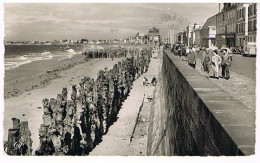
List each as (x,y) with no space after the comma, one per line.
(36,74)
(27,105)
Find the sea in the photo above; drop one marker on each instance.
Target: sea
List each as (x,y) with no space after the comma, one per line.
(17,55)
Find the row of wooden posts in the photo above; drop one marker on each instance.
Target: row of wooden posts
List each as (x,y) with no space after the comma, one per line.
(76,126)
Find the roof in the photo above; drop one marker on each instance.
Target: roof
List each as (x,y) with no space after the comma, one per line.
(225,10)
(211,21)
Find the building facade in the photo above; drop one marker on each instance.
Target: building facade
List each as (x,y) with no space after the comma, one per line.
(208,33)
(197,38)
(179,38)
(191,34)
(242,9)
(226,22)
(154,35)
(252,18)
(172,38)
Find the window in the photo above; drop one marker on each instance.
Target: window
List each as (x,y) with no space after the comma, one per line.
(254,25)
(253,10)
(243,12)
(249,11)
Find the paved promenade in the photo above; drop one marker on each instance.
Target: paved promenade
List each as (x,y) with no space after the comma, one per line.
(241,87)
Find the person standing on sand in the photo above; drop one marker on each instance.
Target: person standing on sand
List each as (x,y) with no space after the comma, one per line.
(225,64)
(191,57)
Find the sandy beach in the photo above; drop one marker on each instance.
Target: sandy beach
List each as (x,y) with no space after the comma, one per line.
(27,104)
(36,74)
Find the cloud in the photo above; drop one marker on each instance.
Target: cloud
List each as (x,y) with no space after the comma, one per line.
(57,21)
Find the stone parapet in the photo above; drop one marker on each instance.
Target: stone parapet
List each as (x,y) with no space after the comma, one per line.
(191,115)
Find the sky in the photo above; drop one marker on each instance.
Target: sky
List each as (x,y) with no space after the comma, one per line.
(94,21)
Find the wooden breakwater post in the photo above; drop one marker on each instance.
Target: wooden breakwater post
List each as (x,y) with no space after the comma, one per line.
(74,127)
(19,139)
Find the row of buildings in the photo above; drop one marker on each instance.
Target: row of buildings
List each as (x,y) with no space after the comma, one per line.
(152,37)
(234,25)
(56,42)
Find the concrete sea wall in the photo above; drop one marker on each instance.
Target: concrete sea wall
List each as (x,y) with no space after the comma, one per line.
(192,116)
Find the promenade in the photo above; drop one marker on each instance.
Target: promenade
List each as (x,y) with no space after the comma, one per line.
(241,87)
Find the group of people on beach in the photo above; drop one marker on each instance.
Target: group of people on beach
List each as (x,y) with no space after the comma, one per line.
(210,60)
(74,127)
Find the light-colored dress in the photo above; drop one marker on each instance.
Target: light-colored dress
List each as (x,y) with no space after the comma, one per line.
(216,61)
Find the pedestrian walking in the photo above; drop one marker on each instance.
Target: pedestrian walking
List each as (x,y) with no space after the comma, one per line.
(215,62)
(225,64)
(205,60)
(191,57)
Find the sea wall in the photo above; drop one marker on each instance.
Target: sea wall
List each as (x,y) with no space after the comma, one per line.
(192,116)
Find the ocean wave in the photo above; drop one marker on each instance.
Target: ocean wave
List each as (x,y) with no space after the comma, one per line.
(71,51)
(11,63)
(70,54)
(46,53)
(14,62)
